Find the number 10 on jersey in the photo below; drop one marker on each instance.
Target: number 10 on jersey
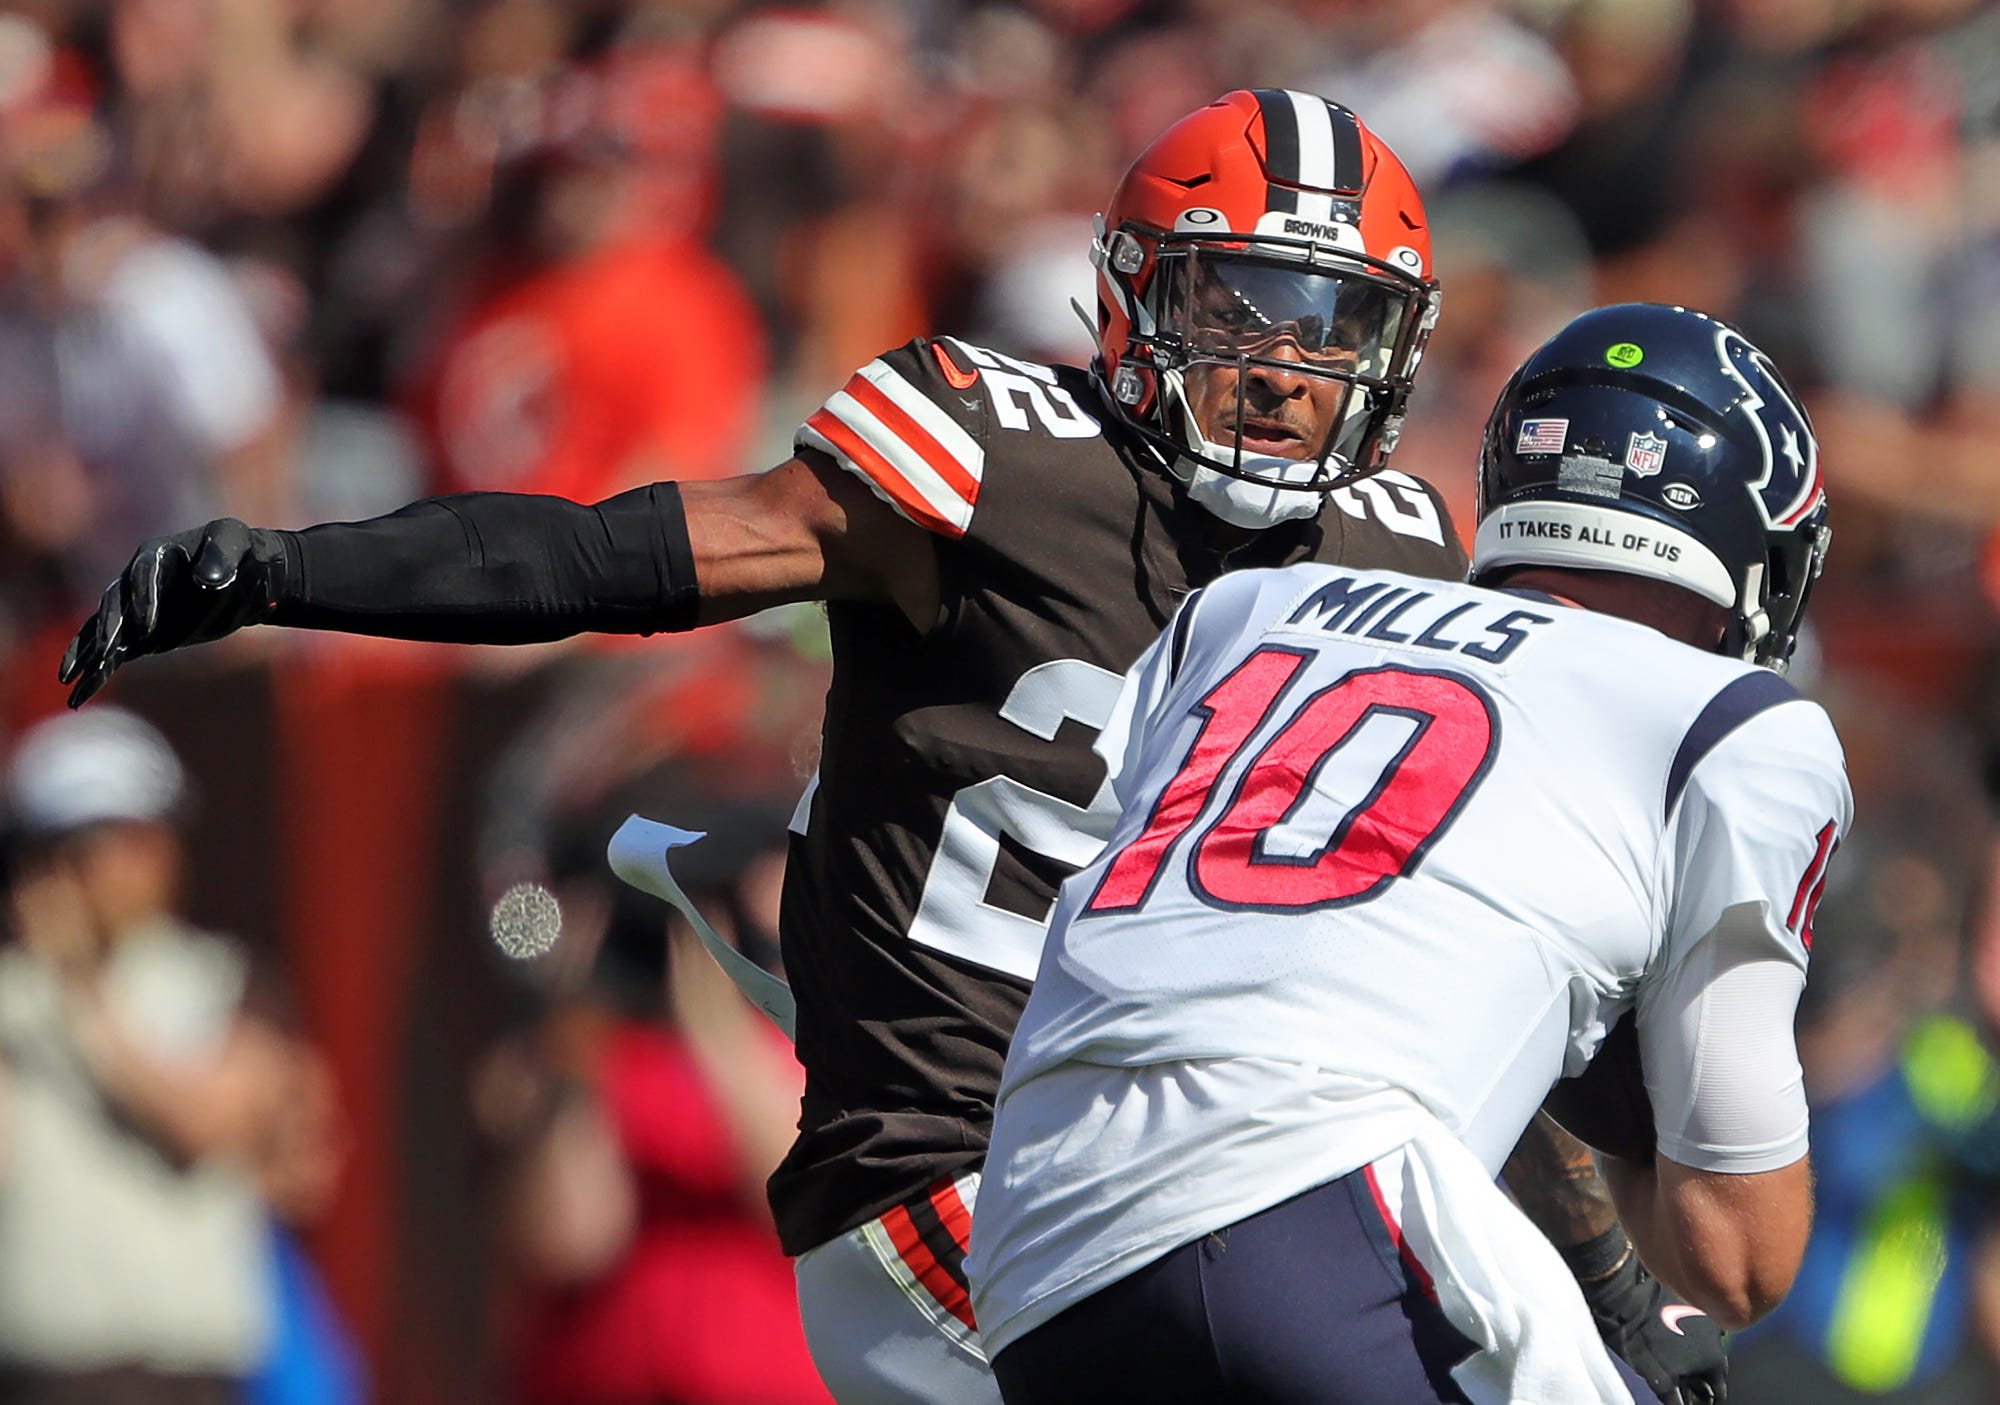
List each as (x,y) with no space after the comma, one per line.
(1445,734)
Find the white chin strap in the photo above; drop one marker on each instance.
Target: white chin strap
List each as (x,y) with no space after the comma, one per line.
(1242,503)
(1238,501)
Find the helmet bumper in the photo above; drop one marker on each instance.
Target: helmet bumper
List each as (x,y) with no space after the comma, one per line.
(1589,537)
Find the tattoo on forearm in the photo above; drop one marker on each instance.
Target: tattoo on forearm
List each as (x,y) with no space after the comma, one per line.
(1554,1177)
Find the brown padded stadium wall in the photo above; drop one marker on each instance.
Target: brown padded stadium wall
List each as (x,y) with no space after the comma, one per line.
(359,737)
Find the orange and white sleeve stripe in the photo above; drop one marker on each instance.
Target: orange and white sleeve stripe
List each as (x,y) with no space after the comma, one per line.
(903,445)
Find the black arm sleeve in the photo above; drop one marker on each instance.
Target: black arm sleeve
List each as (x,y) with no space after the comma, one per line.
(495,568)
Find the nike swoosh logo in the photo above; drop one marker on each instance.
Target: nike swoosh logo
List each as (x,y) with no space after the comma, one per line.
(1673,1314)
(957,379)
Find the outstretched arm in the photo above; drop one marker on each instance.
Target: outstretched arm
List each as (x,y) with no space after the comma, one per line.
(807,530)
(506,568)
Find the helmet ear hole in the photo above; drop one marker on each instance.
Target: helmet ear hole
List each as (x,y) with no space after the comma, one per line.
(1780,575)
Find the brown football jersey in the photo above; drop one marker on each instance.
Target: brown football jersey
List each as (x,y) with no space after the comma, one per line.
(957,779)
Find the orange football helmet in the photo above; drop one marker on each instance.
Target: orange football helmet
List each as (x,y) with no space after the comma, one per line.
(1269,234)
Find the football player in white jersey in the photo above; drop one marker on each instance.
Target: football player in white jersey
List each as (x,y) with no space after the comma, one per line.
(1393,857)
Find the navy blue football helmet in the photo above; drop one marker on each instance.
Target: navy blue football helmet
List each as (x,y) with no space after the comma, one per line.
(1658,441)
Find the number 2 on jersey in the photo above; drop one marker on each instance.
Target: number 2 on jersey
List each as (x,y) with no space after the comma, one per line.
(952,915)
(1446,733)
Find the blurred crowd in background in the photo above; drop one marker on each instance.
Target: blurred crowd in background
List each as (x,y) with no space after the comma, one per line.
(292,260)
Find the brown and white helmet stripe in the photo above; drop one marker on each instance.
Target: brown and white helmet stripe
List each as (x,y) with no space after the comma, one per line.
(1312,153)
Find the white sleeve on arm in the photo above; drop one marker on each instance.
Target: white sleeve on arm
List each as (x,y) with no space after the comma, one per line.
(1750,841)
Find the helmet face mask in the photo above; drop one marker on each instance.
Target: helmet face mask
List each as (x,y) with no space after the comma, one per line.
(1659,442)
(1275,357)
(1262,302)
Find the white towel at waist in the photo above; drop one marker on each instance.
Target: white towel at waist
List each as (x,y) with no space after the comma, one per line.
(1499,1281)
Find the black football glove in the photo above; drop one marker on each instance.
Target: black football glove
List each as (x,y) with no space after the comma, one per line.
(1678,1349)
(183,589)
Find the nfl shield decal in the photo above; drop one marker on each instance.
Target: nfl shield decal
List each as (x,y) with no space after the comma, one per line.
(1645,454)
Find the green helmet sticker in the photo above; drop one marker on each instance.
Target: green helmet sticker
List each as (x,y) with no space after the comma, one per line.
(1625,355)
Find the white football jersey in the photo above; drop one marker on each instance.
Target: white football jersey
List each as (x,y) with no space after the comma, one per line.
(1385,838)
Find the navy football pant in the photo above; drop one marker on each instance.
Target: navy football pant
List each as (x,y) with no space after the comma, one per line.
(1307,1303)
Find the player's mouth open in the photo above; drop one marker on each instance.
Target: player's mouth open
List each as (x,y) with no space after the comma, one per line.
(1270,437)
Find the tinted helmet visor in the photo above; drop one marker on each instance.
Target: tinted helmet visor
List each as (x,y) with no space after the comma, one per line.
(1230,306)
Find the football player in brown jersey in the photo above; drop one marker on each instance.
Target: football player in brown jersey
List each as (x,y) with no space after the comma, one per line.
(996,541)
